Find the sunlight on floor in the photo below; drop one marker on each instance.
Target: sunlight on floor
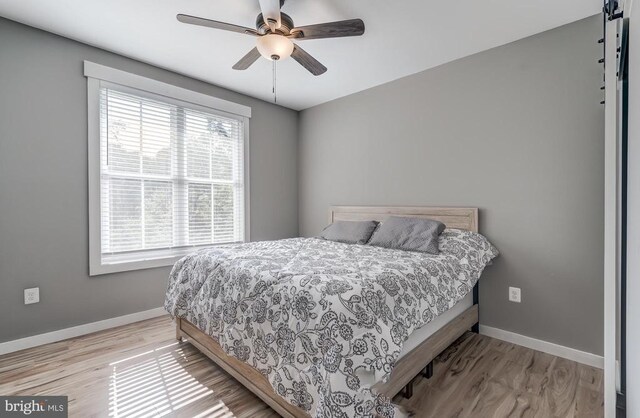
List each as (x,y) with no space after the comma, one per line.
(155,384)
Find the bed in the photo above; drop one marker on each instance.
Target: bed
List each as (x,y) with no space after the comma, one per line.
(310,325)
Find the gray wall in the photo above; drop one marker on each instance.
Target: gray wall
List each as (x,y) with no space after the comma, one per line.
(516,131)
(43,184)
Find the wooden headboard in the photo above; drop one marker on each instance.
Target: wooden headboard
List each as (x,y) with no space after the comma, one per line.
(460,218)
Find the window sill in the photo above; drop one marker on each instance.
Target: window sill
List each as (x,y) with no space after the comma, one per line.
(106,268)
(141,260)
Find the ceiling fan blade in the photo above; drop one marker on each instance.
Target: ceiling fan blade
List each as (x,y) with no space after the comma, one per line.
(307,61)
(193,20)
(246,61)
(271,13)
(351,27)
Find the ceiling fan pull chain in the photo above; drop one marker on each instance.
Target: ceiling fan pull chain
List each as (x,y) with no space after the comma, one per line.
(275,94)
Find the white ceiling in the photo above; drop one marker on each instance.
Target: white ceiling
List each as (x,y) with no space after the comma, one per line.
(401,38)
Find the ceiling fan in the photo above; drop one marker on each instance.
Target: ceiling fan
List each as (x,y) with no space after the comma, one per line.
(275,32)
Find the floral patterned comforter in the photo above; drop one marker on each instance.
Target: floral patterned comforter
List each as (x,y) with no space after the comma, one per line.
(323,321)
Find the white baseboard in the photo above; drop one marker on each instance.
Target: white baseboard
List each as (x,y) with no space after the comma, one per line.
(66,333)
(583,357)
(63,334)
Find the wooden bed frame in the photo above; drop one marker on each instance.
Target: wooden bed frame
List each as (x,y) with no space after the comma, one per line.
(417,361)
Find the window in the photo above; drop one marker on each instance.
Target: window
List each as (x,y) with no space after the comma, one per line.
(171,176)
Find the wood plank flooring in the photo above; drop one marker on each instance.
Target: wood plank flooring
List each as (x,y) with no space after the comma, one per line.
(139,370)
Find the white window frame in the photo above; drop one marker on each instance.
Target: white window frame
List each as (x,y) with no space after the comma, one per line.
(99,74)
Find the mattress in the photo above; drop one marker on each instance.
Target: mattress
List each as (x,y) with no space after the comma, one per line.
(420,335)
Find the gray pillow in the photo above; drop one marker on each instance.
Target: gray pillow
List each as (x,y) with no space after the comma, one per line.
(349,232)
(409,234)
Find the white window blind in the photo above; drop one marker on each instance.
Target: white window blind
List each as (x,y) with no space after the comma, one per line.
(171,176)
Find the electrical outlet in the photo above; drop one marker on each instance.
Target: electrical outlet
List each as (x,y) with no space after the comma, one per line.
(31,295)
(514,294)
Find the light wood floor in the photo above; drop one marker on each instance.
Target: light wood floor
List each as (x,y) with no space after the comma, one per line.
(140,370)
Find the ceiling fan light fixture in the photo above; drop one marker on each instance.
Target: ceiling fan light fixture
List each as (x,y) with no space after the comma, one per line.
(275,47)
